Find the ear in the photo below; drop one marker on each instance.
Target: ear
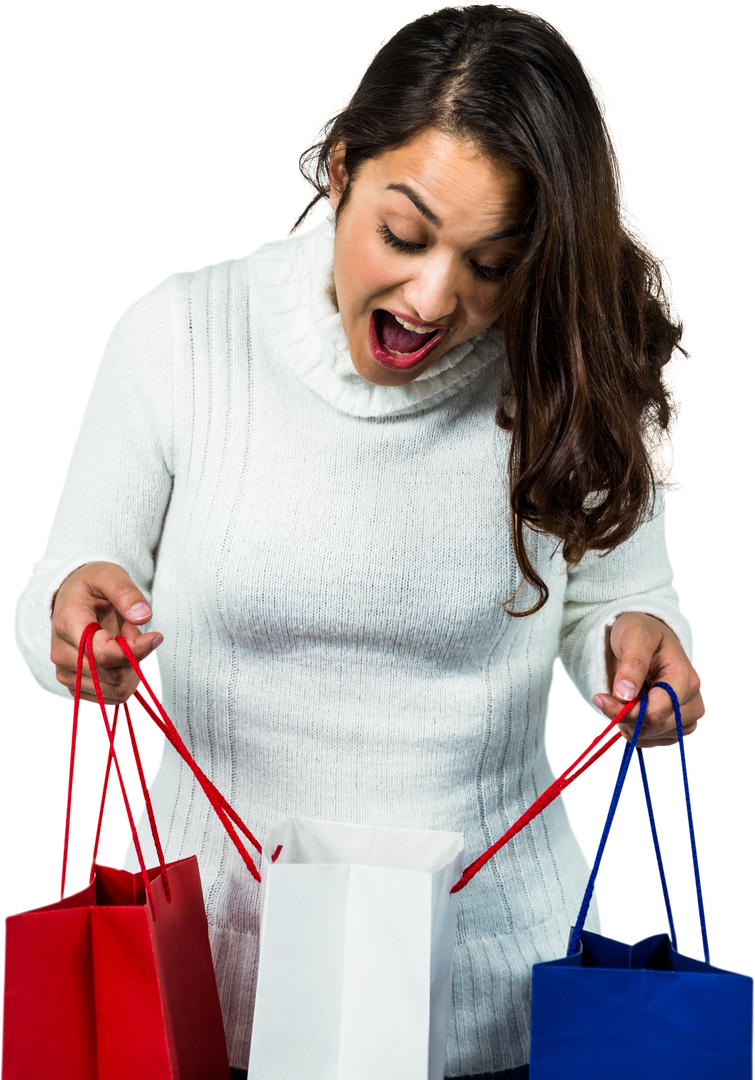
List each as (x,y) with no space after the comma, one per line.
(337,173)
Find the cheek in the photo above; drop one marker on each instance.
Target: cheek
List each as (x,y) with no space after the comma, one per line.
(483,305)
(371,272)
(363,271)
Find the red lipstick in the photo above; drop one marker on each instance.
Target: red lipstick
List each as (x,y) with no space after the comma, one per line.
(402,361)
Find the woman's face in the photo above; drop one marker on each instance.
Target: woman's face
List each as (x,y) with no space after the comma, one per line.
(421,249)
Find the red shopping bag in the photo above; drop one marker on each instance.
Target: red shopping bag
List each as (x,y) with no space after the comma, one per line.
(116,982)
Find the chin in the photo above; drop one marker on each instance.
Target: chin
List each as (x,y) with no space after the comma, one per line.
(373,372)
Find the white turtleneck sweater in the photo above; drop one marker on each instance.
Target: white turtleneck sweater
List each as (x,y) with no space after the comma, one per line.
(327,560)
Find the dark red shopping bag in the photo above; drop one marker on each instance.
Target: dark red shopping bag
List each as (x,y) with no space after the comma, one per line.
(116,982)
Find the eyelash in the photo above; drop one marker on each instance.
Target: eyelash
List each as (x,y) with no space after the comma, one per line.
(489,273)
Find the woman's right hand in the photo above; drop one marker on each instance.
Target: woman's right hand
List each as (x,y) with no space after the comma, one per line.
(100,592)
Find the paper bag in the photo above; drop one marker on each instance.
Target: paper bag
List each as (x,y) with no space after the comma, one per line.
(116,982)
(356,952)
(621,1011)
(97,988)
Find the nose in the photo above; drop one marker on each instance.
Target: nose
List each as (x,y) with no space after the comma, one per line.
(433,289)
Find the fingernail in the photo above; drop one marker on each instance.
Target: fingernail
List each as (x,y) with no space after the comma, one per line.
(139,611)
(597,701)
(625,690)
(158,641)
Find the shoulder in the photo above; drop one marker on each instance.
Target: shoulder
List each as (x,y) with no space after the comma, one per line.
(284,261)
(189,295)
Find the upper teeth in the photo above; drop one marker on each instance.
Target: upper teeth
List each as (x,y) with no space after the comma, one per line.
(416,329)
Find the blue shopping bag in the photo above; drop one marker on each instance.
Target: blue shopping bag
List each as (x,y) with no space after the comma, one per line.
(609,1011)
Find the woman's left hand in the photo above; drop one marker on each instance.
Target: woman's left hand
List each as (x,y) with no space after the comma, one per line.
(641,651)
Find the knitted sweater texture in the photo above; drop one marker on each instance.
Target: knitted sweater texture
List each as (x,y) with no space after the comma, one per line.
(327,560)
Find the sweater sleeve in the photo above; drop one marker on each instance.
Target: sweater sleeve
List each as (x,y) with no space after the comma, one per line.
(119,482)
(636,576)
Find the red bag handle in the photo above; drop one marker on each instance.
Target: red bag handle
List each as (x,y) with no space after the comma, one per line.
(228,816)
(147,800)
(149,703)
(552,792)
(85,645)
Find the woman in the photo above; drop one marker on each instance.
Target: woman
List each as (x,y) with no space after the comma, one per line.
(373,479)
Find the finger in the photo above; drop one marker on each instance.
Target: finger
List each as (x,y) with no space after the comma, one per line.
(671,665)
(138,641)
(108,655)
(634,649)
(113,666)
(659,715)
(112,694)
(662,723)
(691,709)
(117,681)
(114,585)
(647,742)
(660,731)
(611,706)
(113,690)
(93,592)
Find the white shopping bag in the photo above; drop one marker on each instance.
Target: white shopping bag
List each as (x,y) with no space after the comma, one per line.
(356,952)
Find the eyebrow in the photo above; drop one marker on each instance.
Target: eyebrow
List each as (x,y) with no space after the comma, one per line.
(424,209)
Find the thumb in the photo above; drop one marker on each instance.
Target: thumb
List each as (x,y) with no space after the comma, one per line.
(108,582)
(629,679)
(129,601)
(118,592)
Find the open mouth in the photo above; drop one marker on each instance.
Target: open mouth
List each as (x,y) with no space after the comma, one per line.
(397,347)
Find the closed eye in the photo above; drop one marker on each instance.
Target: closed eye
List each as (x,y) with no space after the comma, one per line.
(489,273)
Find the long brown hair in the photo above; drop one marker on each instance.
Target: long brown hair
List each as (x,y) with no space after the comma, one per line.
(586,322)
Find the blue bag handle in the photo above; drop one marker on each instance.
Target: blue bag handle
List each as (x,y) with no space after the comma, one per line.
(576,933)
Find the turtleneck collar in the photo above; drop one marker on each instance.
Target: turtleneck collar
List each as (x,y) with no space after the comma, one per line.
(292,282)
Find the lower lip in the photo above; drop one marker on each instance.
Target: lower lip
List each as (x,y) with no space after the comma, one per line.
(395,361)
